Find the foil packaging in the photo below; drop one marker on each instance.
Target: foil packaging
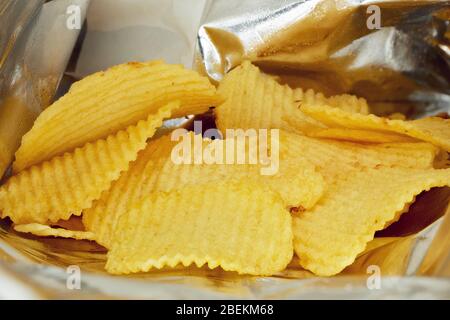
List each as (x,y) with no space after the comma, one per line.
(396,54)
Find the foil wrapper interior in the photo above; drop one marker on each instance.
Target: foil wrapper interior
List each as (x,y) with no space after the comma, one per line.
(401,65)
(331,46)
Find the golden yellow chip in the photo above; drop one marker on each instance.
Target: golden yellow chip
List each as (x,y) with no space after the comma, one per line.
(333,158)
(348,103)
(297,181)
(255,100)
(42,230)
(67,184)
(103,216)
(105,102)
(345,101)
(240,227)
(331,235)
(396,116)
(356,135)
(434,130)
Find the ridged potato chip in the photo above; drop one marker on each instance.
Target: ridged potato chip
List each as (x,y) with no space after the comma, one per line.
(297,182)
(43,230)
(108,101)
(255,100)
(330,236)
(434,129)
(333,158)
(240,227)
(356,135)
(348,103)
(67,184)
(103,216)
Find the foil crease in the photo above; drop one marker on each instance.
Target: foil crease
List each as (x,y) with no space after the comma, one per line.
(319,44)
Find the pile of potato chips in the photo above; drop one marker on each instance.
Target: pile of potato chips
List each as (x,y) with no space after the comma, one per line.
(343,173)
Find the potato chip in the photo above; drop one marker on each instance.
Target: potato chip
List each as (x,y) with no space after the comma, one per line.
(106,102)
(240,227)
(345,101)
(356,135)
(348,103)
(434,129)
(330,236)
(42,230)
(102,217)
(333,158)
(396,116)
(297,182)
(255,100)
(67,184)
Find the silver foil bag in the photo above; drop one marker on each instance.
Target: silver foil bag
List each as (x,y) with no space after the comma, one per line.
(337,47)
(398,60)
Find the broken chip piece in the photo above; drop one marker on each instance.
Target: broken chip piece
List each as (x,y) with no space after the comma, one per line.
(42,230)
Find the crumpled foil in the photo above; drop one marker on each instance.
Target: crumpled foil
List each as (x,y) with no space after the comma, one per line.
(321,44)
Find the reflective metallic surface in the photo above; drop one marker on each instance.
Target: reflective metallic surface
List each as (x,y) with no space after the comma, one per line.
(320,44)
(328,45)
(35,48)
